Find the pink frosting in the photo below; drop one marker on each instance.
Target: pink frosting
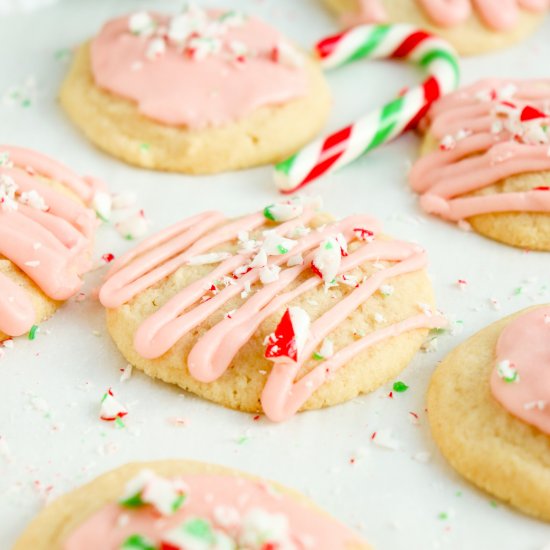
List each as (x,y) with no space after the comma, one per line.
(483,141)
(500,15)
(215,350)
(525,345)
(51,246)
(206,493)
(175,89)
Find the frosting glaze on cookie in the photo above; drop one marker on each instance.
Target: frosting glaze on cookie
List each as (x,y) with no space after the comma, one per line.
(221,512)
(198,68)
(44,232)
(487,132)
(520,381)
(500,16)
(213,353)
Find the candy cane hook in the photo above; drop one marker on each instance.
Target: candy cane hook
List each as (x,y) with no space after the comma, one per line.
(399,41)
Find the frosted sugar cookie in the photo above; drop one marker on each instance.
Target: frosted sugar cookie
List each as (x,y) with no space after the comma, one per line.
(472,26)
(46,235)
(276,311)
(183,505)
(489,410)
(487,160)
(198,92)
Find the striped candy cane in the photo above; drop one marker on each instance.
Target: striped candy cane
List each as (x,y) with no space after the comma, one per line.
(399,41)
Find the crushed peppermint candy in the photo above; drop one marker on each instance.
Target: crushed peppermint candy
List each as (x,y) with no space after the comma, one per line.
(269,274)
(210,258)
(386,290)
(276,245)
(141,24)
(539,404)
(155,49)
(264,530)
(385,439)
(297,259)
(260,259)
(327,260)
(134,226)
(34,200)
(8,189)
(284,211)
(326,351)
(197,534)
(290,336)
(102,204)
(448,143)
(507,371)
(363,234)
(167,496)
(111,408)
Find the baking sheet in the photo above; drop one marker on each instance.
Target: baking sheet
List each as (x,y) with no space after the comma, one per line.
(51,439)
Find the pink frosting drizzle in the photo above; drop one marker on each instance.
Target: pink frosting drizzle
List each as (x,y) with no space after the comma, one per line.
(525,343)
(213,353)
(176,90)
(483,155)
(52,247)
(501,15)
(105,530)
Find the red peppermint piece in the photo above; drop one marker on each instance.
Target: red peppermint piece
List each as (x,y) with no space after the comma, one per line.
(509,104)
(288,340)
(541,188)
(531,113)
(315,270)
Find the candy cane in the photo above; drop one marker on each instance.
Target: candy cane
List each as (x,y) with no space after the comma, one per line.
(327,154)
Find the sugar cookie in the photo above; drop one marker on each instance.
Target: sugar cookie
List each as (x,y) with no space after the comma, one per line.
(487,160)
(489,410)
(271,311)
(472,26)
(199,92)
(178,505)
(46,235)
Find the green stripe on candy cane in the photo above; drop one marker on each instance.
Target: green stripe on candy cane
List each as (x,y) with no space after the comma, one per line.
(385,123)
(378,34)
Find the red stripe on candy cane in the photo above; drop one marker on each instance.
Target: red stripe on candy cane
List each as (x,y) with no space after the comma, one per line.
(410,43)
(432,91)
(326,46)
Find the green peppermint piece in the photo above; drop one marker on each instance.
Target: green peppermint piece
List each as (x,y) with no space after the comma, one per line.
(33,332)
(282,249)
(317,356)
(178,503)
(200,529)
(268,213)
(400,387)
(134,501)
(137,542)
(507,372)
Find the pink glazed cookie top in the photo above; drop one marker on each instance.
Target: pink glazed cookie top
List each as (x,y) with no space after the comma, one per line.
(486,132)
(261,272)
(45,233)
(520,381)
(207,512)
(500,15)
(199,68)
